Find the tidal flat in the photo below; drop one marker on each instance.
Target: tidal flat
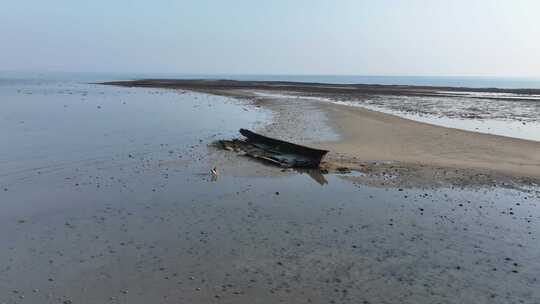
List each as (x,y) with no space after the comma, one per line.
(107,197)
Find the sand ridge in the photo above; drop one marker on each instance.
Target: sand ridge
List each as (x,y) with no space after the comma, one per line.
(374,136)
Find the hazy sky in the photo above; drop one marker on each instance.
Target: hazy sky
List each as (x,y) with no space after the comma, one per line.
(383,37)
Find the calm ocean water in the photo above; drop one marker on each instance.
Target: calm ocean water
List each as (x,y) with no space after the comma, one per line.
(473,82)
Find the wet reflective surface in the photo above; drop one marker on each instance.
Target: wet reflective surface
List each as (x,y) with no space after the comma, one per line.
(106,197)
(512,117)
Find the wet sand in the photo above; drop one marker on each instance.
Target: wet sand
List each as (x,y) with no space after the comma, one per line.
(367,137)
(114,203)
(372,136)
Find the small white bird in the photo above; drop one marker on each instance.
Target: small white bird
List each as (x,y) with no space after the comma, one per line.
(214,172)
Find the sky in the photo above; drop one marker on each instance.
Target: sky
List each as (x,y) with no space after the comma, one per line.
(339,37)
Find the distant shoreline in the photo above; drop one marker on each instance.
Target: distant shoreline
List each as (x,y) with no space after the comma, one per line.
(330,88)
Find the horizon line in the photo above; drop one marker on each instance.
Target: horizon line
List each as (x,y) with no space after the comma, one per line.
(269,74)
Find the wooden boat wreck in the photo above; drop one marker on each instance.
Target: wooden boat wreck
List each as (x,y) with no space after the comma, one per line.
(278,152)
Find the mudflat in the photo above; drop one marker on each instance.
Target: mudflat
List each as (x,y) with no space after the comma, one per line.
(367,136)
(312,87)
(107,196)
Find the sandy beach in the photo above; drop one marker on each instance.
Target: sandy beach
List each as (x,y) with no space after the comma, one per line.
(371,136)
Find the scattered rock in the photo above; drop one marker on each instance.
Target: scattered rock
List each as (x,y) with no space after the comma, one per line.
(343,170)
